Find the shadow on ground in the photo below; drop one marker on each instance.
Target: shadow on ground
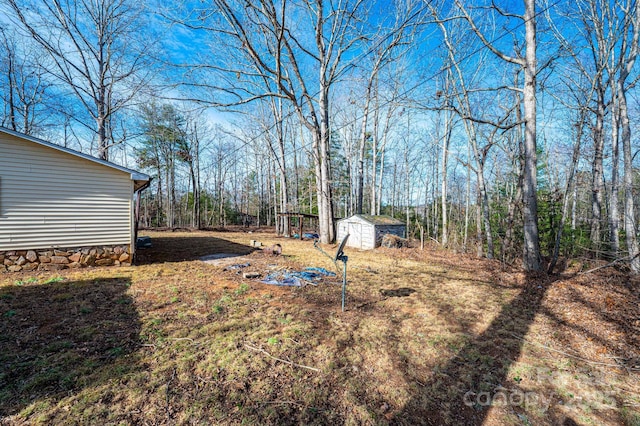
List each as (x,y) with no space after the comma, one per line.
(60,337)
(184,247)
(462,388)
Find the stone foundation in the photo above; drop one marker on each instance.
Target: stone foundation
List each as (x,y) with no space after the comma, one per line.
(57,259)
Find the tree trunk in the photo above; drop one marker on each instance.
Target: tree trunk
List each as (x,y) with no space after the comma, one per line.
(531,258)
(614,213)
(508,249)
(566,194)
(479,244)
(629,208)
(361,150)
(11,77)
(486,216)
(597,183)
(467,201)
(379,197)
(445,163)
(195,210)
(322,144)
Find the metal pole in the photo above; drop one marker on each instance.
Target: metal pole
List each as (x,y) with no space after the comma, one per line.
(344,279)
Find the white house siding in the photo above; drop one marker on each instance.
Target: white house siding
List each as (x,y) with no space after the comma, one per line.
(49,198)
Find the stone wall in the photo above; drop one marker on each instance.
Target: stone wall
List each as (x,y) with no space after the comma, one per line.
(56,259)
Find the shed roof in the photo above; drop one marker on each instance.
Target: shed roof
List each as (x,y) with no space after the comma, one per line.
(380,219)
(140,179)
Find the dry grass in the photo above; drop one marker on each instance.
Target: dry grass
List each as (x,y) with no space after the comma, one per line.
(178,341)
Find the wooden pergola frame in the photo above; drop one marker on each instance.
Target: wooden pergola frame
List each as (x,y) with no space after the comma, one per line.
(301,217)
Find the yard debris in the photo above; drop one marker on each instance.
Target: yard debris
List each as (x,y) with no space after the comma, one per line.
(286,361)
(236,266)
(250,275)
(274,250)
(282,279)
(256,244)
(318,272)
(309,275)
(393,241)
(306,236)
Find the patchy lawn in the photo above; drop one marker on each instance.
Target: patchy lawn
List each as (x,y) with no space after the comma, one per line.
(428,337)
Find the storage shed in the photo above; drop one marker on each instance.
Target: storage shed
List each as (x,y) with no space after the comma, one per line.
(60,208)
(366,231)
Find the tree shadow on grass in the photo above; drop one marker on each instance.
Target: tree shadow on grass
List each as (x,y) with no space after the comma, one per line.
(462,388)
(57,338)
(181,248)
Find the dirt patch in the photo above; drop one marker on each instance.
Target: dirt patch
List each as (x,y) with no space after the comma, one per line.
(224,259)
(398,292)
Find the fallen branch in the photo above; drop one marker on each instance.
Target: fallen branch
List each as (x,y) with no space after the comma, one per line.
(148,345)
(178,339)
(295,403)
(604,364)
(279,402)
(610,264)
(280,359)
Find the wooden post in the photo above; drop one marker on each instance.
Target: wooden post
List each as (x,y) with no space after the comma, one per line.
(300,219)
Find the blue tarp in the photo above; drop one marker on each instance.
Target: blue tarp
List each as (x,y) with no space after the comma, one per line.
(295,278)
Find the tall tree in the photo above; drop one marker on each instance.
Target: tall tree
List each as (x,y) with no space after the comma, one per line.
(600,43)
(24,91)
(163,145)
(528,63)
(386,47)
(190,146)
(303,49)
(99,53)
(627,54)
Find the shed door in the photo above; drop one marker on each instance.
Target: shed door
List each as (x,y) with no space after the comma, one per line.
(355,237)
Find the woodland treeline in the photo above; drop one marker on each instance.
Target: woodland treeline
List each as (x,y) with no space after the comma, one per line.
(505,128)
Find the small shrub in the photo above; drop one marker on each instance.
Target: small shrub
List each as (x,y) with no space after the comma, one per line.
(273,340)
(244,287)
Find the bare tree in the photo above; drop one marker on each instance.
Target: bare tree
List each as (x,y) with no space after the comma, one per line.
(569,183)
(386,47)
(460,100)
(303,49)
(271,38)
(24,90)
(97,51)
(273,126)
(600,44)
(197,135)
(444,141)
(611,32)
(528,63)
(628,49)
